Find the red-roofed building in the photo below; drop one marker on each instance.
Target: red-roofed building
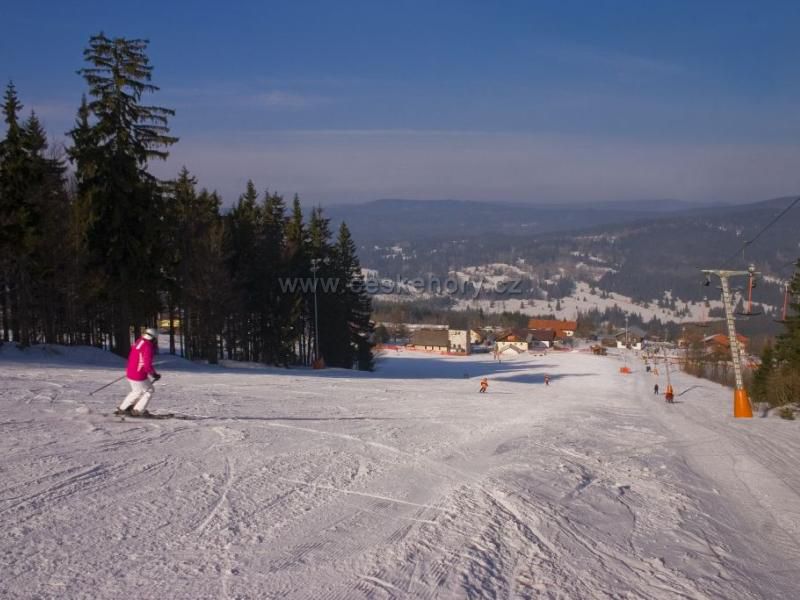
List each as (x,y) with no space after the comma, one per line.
(720,342)
(563,329)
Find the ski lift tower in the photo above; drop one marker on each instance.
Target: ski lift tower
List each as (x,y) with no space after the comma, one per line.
(741,403)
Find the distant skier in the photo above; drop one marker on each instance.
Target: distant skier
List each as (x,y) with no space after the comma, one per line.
(140,370)
(484,385)
(547,379)
(670,395)
(655,389)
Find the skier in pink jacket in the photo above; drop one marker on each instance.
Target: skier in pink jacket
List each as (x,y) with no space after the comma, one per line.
(141,374)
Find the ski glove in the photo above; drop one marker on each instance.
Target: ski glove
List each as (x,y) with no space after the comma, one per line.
(156,376)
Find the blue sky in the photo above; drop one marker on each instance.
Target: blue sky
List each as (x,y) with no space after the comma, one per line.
(517,100)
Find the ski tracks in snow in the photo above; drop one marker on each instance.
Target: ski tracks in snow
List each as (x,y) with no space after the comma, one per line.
(222,496)
(424,490)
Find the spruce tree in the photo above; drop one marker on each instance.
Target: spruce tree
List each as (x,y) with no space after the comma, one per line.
(787,346)
(297,268)
(46,218)
(777,380)
(325,320)
(13,178)
(281,307)
(198,285)
(765,371)
(242,232)
(177,212)
(115,138)
(32,211)
(356,306)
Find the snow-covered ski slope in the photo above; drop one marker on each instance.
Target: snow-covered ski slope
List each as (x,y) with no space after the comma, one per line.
(403,483)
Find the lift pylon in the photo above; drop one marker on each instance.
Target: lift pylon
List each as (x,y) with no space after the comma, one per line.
(742,408)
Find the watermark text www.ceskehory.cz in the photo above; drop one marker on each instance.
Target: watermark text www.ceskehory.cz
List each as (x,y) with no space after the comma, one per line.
(420,285)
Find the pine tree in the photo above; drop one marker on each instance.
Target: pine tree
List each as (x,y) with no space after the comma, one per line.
(199,284)
(356,303)
(32,211)
(325,320)
(46,219)
(115,138)
(787,346)
(297,267)
(777,380)
(118,78)
(764,373)
(12,167)
(179,211)
(13,177)
(242,225)
(282,307)
(130,244)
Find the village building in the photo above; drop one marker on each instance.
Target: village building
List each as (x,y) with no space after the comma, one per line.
(542,338)
(512,341)
(476,337)
(563,329)
(720,343)
(440,339)
(434,340)
(459,340)
(633,337)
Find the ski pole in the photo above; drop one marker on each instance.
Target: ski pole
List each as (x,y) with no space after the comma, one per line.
(118,378)
(106,385)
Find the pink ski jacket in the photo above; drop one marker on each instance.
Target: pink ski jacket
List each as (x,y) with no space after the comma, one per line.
(140,360)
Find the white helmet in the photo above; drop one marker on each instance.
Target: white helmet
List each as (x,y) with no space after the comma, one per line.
(150,334)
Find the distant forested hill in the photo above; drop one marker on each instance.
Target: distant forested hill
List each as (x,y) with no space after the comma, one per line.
(639,252)
(384,221)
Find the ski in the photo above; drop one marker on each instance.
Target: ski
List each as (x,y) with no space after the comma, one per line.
(154,416)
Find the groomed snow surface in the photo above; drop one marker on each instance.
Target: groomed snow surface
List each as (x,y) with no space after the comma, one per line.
(403,483)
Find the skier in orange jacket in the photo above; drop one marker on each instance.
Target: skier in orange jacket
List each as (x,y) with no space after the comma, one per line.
(669,396)
(484,385)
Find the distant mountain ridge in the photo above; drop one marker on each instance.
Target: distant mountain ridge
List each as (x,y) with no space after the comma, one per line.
(412,220)
(641,254)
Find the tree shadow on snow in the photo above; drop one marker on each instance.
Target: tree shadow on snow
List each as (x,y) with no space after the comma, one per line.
(421,366)
(267,419)
(452,368)
(539,377)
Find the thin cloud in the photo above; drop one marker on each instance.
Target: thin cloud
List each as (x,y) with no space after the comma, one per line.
(278,99)
(231,95)
(608,60)
(370,133)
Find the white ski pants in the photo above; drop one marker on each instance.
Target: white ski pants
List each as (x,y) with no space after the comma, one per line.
(141,392)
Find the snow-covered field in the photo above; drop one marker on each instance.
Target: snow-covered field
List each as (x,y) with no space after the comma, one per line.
(404,483)
(583,300)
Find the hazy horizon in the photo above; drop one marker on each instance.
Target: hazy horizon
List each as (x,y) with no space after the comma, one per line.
(501,201)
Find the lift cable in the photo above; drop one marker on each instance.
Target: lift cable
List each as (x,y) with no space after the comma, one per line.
(760,233)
